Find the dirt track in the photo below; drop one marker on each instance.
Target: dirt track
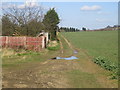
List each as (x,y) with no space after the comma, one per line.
(57,73)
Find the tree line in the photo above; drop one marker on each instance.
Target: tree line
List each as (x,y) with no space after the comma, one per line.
(71,29)
(29,21)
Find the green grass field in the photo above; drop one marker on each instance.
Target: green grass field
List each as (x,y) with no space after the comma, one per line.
(99,43)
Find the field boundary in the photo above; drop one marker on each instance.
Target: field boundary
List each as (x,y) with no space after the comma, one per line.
(29,43)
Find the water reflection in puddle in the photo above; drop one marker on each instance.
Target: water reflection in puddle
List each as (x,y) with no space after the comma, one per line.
(75,52)
(68,58)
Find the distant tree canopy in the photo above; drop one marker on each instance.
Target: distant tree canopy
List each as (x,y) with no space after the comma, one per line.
(65,29)
(51,20)
(84,29)
(8,28)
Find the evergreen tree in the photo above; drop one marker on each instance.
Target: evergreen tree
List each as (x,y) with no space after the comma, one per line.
(50,21)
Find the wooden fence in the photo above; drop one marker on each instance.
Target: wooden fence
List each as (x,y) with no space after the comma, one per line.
(29,43)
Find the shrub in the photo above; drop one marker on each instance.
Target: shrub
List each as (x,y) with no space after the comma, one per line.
(53,45)
(106,64)
(57,47)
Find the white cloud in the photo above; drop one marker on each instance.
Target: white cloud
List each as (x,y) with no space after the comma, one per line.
(102,20)
(29,3)
(91,8)
(26,3)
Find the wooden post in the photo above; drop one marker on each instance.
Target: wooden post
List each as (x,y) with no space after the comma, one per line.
(43,41)
(46,35)
(25,41)
(6,42)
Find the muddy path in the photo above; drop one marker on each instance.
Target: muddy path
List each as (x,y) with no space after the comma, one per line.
(81,73)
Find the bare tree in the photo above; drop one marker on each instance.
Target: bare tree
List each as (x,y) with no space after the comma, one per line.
(22,17)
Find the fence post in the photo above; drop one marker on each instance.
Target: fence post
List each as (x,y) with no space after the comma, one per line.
(25,42)
(6,42)
(1,41)
(42,41)
(46,35)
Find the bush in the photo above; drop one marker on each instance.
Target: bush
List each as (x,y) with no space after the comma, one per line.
(106,64)
(57,47)
(53,45)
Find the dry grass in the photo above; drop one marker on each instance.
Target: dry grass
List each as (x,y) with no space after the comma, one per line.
(7,52)
(53,43)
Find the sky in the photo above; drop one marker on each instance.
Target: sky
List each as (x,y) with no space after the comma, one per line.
(92,15)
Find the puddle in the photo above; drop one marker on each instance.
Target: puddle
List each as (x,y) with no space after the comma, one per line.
(75,52)
(68,58)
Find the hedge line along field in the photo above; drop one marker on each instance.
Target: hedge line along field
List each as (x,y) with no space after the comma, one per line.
(96,43)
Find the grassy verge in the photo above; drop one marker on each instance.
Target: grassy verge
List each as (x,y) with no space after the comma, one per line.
(66,48)
(54,48)
(20,58)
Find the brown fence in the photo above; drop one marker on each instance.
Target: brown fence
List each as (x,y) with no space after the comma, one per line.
(29,43)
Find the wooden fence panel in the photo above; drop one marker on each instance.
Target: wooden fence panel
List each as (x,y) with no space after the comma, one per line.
(30,43)
(33,43)
(15,42)
(3,41)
